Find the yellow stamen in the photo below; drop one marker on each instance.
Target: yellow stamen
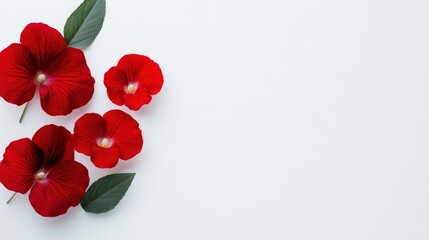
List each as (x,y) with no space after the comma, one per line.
(40,78)
(105,143)
(41,176)
(131,89)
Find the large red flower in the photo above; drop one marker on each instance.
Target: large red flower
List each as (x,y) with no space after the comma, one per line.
(44,61)
(107,138)
(133,81)
(45,165)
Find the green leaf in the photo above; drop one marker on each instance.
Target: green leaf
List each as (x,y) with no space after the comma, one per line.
(84,24)
(105,193)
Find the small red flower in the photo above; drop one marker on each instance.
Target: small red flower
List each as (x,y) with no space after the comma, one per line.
(43,60)
(133,81)
(45,165)
(108,138)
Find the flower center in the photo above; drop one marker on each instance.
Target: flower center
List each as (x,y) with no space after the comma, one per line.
(131,88)
(41,176)
(40,78)
(104,143)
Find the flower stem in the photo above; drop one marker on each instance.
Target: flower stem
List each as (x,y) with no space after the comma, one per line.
(10,199)
(23,112)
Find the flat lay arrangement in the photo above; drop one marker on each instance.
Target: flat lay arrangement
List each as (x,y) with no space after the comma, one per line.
(54,65)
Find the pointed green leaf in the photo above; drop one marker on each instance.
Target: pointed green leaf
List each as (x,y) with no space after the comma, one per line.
(84,24)
(105,193)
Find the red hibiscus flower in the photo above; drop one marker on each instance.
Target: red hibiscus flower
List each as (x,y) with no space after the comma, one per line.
(133,81)
(44,61)
(45,165)
(107,138)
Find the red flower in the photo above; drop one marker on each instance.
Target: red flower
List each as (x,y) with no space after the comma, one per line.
(45,165)
(108,138)
(133,81)
(43,60)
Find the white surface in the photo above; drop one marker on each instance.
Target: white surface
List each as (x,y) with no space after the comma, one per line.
(279,119)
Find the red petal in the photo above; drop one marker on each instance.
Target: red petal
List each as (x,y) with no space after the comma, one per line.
(132,65)
(21,160)
(138,99)
(87,130)
(116,81)
(16,75)
(69,85)
(54,141)
(125,132)
(133,69)
(44,43)
(104,157)
(142,70)
(63,188)
(151,76)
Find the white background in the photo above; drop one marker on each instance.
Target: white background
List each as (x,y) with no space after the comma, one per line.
(278,119)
